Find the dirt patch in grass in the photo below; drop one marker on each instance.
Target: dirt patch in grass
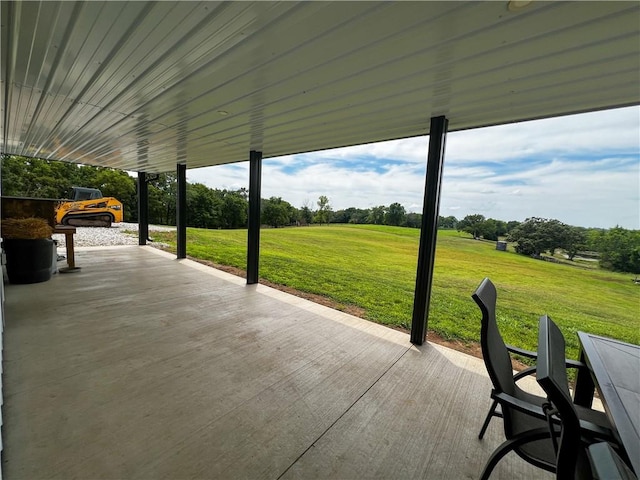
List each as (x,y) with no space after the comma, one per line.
(312,297)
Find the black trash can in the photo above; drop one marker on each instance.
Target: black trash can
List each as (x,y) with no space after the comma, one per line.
(28,261)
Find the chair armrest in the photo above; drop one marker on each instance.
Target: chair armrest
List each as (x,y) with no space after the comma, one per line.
(522,352)
(524,373)
(520,405)
(530,354)
(574,364)
(593,431)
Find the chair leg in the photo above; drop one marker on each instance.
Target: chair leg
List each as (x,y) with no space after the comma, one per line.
(495,457)
(491,413)
(506,447)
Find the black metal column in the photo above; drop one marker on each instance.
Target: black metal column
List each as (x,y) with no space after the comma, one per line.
(143,209)
(181,212)
(253,247)
(429,230)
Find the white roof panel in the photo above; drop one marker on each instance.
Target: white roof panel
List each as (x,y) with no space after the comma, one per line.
(146,85)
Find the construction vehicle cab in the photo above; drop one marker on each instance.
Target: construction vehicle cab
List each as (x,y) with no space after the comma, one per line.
(89,208)
(82,193)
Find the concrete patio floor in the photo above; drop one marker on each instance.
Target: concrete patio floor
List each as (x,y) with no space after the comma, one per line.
(142,366)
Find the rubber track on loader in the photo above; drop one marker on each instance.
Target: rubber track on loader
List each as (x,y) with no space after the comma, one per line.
(87,220)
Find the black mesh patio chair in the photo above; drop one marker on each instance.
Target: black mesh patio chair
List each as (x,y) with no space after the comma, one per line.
(606,464)
(525,423)
(497,354)
(577,431)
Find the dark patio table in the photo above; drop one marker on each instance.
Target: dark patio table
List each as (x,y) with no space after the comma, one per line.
(615,372)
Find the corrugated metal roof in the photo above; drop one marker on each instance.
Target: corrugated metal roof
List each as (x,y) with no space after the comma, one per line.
(143,85)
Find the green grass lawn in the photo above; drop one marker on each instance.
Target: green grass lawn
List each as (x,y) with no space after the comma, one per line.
(373,267)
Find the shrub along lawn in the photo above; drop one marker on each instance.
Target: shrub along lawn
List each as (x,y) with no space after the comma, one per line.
(373,267)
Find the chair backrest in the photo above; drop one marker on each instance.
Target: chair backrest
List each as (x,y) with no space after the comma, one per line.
(551,373)
(494,351)
(498,362)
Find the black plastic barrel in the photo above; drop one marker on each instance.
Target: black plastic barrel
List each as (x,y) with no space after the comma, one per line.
(28,261)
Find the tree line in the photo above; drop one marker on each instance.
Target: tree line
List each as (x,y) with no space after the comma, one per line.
(617,248)
(206,207)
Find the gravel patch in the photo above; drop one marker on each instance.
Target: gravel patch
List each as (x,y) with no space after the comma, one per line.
(104,237)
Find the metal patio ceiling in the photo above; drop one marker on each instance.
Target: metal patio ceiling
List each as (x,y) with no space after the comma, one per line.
(142,86)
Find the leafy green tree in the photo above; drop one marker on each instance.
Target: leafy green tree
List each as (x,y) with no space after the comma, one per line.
(620,250)
(489,229)
(413,220)
(121,186)
(324,210)
(501,228)
(529,237)
(594,239)
(492,229)
(277,212)
(203,208)
(376,215)
(449,222)
(340,216)
(305,214)
(395,214)
(471,224)
(33,177)
(13,176)
(159,207)
(234,211)
(244,193)
(358,215)
(556,234)
(575,241)
(511,225)
(163,191)
(350,215)
(538,235)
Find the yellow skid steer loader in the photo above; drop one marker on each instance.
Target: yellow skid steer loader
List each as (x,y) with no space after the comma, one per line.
(89,209)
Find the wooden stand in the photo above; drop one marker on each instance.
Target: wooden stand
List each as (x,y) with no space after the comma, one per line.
(68,241)
(22,207)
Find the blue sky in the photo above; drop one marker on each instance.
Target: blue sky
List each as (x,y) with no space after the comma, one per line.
(580,169)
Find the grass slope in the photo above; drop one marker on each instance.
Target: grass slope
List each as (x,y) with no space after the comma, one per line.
(373,267)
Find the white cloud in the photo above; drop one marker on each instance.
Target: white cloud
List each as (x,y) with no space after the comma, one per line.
(582,170)
(562,190)
(616,130)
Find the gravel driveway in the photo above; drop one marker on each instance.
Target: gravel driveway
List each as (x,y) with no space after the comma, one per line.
(102,237)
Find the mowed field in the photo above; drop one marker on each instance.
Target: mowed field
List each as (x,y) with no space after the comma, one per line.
(373,268)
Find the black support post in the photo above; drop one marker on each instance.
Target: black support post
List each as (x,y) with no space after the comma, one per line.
(429,230)
(181,212)
(143,209)
(253,247)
